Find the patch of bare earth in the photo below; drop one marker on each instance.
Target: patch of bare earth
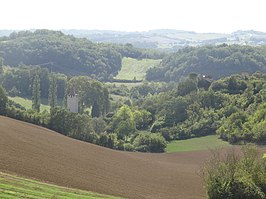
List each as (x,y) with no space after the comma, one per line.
(38,153)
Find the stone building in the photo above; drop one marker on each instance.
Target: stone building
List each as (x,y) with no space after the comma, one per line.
(73,102)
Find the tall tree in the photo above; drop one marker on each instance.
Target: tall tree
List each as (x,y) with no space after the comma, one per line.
(95,112)
(123,122)
(36,92)
(53,92)
(3,101)
(1,65)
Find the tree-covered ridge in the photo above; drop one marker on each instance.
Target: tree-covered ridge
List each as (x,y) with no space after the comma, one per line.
(214,61)
(67,54)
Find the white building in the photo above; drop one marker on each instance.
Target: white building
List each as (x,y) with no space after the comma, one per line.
(73,102)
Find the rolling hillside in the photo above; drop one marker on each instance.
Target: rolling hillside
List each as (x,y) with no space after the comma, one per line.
(38,153)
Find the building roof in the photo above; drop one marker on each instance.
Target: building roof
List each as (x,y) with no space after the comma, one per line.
(72,93)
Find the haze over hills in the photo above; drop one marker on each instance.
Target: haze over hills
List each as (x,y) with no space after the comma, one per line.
(165,39)
(169,39)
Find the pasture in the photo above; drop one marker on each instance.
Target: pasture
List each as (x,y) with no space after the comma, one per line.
(133,68)
(196,144)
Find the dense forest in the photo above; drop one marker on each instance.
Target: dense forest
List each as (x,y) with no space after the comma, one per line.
(67,54)
(215,61)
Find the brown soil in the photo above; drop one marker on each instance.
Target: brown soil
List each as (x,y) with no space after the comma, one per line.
(36,152)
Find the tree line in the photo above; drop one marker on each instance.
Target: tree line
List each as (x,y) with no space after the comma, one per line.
(19,81)
(215,61)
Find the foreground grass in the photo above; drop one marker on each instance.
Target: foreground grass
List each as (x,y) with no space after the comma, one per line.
(133,68)
(16,187)
(27,103)
(196,144)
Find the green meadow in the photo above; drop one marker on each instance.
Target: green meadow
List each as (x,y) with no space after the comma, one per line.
(196,144)
(135,69)
(27,103)
(13,187)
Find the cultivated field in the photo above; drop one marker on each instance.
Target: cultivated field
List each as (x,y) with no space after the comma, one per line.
(35,152)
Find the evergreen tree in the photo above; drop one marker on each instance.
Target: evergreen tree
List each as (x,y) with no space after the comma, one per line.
(95,112)
(36,92)
(53,92)
(1,65)
(3,101)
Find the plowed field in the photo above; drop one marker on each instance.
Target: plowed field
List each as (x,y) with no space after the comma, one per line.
(42,154)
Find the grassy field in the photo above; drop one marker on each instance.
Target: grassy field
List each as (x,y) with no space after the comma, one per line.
(27,103)
(196,144)
(132,68)
(16,187)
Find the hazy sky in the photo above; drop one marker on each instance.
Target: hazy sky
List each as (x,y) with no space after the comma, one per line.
(223,16)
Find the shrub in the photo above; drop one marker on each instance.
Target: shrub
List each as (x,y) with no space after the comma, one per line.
(229,176)
(128,147)
(150,142)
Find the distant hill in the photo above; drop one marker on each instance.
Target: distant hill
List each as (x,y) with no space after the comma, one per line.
(166,39)
(59,53)
(171,40)
(67,54)
(215,61)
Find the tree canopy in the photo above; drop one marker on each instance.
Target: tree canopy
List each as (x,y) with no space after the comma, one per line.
(215,61)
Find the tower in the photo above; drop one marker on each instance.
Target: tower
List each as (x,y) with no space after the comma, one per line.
(72,102)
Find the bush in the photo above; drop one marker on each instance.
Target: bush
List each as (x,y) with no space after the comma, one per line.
(166,133)
(228,176)
(128,147)
(149,142)
(142,148)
